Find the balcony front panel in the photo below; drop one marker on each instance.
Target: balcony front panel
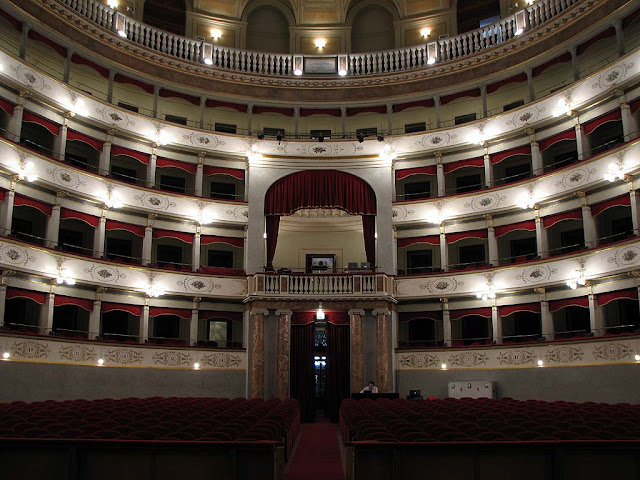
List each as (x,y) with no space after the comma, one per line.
(321,286)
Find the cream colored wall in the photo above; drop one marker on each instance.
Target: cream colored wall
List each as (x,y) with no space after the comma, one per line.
(597,56)
(505,95)
(225,115)
(320,122)
(413,115)
(87,79)
(458,107)
(9,37)
(554,77)
(179,107)
(273,120)
(367,120)
(291,244)
(45,58)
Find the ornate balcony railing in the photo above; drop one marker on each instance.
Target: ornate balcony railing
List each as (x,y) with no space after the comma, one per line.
(274,64)
(305,285)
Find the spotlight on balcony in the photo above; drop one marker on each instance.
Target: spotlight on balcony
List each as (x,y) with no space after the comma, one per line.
(260,136)
(360,137)
(380,137)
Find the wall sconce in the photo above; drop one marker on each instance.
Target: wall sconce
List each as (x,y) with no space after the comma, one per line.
(320,43)
(615,171)
(320,312)
(432,53)
(298,64)
(113,199)
(216,34)
(425,32)
(207,53)
(120,24)
(112,4)
(154,290)
(343,65)
(26,171)
(64,276)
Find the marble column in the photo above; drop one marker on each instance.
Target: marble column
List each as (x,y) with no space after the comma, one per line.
(3,299)
(537,165)
(343,120)
(257,353)
(195,318)
(588,223)
(296,121)
(494,259)
(635,220)
(436,103)
(596,319)
(383,365)
(531,96)
(619,37)
(46,313)
(7,209)
(542,236)
(488,170)
(199,180)
(67,65)
(53,224)
(112,77)
(151,168)
(444,249)
(389,119)
(203,104)
(249,118)
(582,142)
(284,353)
(446,322)
(496,323)
(440,178)
(147,241)
(357,365)
(60,142)
(546,319)
(195,250)
(99,235)
(629,125)
(104,164)
(24,38)
(156,96)
(143,330)
(574,62)
(14,125)
(485,107)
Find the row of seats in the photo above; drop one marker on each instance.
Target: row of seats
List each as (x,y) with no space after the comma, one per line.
(154,419)
(486,420)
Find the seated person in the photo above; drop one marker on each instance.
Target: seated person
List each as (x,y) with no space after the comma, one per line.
(370,388)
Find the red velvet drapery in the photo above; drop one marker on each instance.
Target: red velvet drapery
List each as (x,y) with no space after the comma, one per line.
(301,375)
(320,189)
(369,232)
(273,224)
(338,368)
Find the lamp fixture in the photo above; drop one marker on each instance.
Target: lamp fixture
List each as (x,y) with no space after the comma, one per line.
(380,137)
(540,363)
(432,53)
(203,217)
(443,366)
(320,312)
(488,294)
(298,64)
(113,198)
(436,217)
(6,355)
(425,32)
(360,137)
(64,276)
(207,53)
(112,4)
(253,154)
(527,200)
(637,357)
(320,43)
(154,290)
(196,366)
(563,108)
(264,235)
(387,153)
(26,170)
(160,136)
(343,64)
(615,171)
(100,361)
(216,34)
(579,280)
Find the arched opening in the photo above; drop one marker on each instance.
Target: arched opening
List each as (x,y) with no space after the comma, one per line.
(372,30)
(168,15)
(267,30)
(321,194)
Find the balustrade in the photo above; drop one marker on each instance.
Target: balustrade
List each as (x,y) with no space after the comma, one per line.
(329,285)
(391,61)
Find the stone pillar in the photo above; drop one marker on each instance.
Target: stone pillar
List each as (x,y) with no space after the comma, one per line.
(257,353)
(156,96)
(496,322)
(485,106)
(296,121)
(104,164)
(634,210)
(99,236)
(24,38)
(537,165)
(147,241)
(53,224)
(395,249)
(596,320)
(151,168)
(7,209)
(195,250)
(629,126)
(494,258)
(440,178)
(574,62)
(284,350)
(436,103)
(193,325)
(112,77)
(203,104)
(357,365)
(542,236)
(383,365)
(247,171)
(67,66)
(94,316)
(60,141)
(46,313)
(531,96)
(446,322)
(3,299)
(444,249)
(582,142)
(343,120)
(546,319)
(144,322)
(619,37)
(588,223)
(488,169)
(199,181)
(245,250)
(249,118)
(14,126)
(389,119)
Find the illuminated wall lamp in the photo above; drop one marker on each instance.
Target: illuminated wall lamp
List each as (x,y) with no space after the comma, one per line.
(425,32)
(343,65)
(432,53)
(207,53)
(320,43)
(298,64)
(112,4)
(120,24)
(216,34)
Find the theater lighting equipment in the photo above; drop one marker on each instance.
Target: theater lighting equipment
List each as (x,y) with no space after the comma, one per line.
(320,312)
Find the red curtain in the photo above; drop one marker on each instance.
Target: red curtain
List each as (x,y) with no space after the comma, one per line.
(80,137)
(179,312)
(302,369)
(235,106)
(110,307)
(629,294)
(457,314)
(38,297)
(434,315)
(233,241)
(566,57)
(457,236)
(558,217)
(115,225)
(288,112)
(30,202)
(118,150)
(609,32)
(621,201)
(468,93)
(547,142)
(7,106)
(529,225)
(307,112)
(209,314)
(369,230)
(132,81)
(320,189)
(429,239)
(273,225)
(614,116)
(168,162)
(523,307)
(373,109)
(79,302)
(90,219)
(338,369)
(34,35)
(420,103)
(517,79)
(75,58)
(182,236)
(170,93)
(471,162)
(233,172)
(29,117)
(500,156)
(556,305)
(406,172)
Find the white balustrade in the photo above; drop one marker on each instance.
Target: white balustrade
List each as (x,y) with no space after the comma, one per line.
(347,285)
(453,48)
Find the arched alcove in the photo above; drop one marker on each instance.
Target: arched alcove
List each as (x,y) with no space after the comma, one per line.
(372,29)
(267,30)
(169,15)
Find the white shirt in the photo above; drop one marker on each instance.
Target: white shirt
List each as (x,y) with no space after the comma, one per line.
(373,389)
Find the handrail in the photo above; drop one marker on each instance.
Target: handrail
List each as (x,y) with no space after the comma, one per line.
(359,64)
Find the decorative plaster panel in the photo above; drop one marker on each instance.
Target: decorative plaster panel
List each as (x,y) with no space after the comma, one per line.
(33,349)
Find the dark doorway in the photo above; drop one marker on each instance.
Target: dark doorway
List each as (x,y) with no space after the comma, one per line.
(168,15)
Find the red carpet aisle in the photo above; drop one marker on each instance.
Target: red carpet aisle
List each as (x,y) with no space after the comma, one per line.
(317,456)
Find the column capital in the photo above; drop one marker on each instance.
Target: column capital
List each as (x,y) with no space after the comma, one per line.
(259,311)
(531,132)
(287,313)
(438,156)
(111,132)
(196,302)
(356,311)
(445,303)
(201,156)
(382,311)
(296,110)
(150,218)
(25,93)
(100,291)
